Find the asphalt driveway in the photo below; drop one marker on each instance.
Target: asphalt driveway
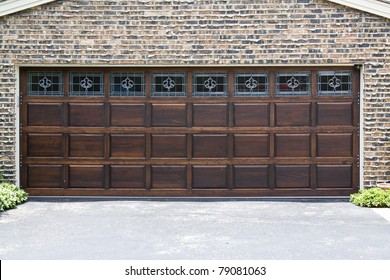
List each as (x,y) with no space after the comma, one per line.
(192,229)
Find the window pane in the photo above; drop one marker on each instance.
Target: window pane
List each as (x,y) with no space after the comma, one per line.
(293,84)
(334,83)
(251,84)
(169,84)
(127,84)
(214,84)
(86,84)
(45,84)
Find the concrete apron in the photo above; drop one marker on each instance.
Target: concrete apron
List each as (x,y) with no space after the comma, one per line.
(164,228)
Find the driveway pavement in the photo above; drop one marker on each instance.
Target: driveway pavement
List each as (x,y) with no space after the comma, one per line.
(192,229)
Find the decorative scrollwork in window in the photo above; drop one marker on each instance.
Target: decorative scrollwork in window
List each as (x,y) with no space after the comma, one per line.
(86,83)
(293,83)
(45,83)
(334,83)
(169,84)
(210,84)
(127,84)
(251,84)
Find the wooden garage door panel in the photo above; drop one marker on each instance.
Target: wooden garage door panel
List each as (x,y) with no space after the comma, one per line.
(292,114)
(260,142)
(127,115)
(292,176)
(210,115)
(127,145)
(86,176)
(169,146)
(128,177)
(251,114)
(334,176)
(334,145)
(251,145)
(45,145)
(53,114)
(340,113)
(204,177)
(44,176)
(83,145)
(251,176)
(292,145)
(169,177)
(170,115)
(86,114)
(210,145)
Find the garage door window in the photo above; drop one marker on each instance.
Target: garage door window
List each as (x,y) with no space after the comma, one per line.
(169,84)
(214,84)
(251,84)
(334,83)
(127,84)
(45,84)
(292,84)
(86,84)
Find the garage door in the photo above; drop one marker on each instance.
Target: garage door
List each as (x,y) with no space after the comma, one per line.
(189,131)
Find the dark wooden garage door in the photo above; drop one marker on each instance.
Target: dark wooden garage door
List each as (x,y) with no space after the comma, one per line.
(189,131)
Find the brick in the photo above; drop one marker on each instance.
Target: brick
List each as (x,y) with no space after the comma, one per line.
(191,32)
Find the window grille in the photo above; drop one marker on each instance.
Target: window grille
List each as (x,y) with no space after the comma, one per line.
(210,84)
(45,84)
(251,84)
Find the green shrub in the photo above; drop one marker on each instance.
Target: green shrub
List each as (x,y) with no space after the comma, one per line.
(10,196)
(373,197)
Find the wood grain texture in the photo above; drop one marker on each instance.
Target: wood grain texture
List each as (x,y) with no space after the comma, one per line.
(190,146)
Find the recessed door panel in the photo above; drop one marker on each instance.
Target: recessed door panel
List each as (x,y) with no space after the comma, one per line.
(292,114)
(251,114)
(45,114)
(251,145)
(45,145)
(127,176)
(169,146)
(334,145)
(170,115)
(251,176)
(86,114)
(334,176)
(127,115)
(44,176)
(210,115)
(292,176)
(169,177)
(209,177)
(334,113)
(86,176)
(292,145)
(128,145)
(83,145)
(210,145)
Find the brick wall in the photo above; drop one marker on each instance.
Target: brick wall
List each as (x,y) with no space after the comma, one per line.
(190,32)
